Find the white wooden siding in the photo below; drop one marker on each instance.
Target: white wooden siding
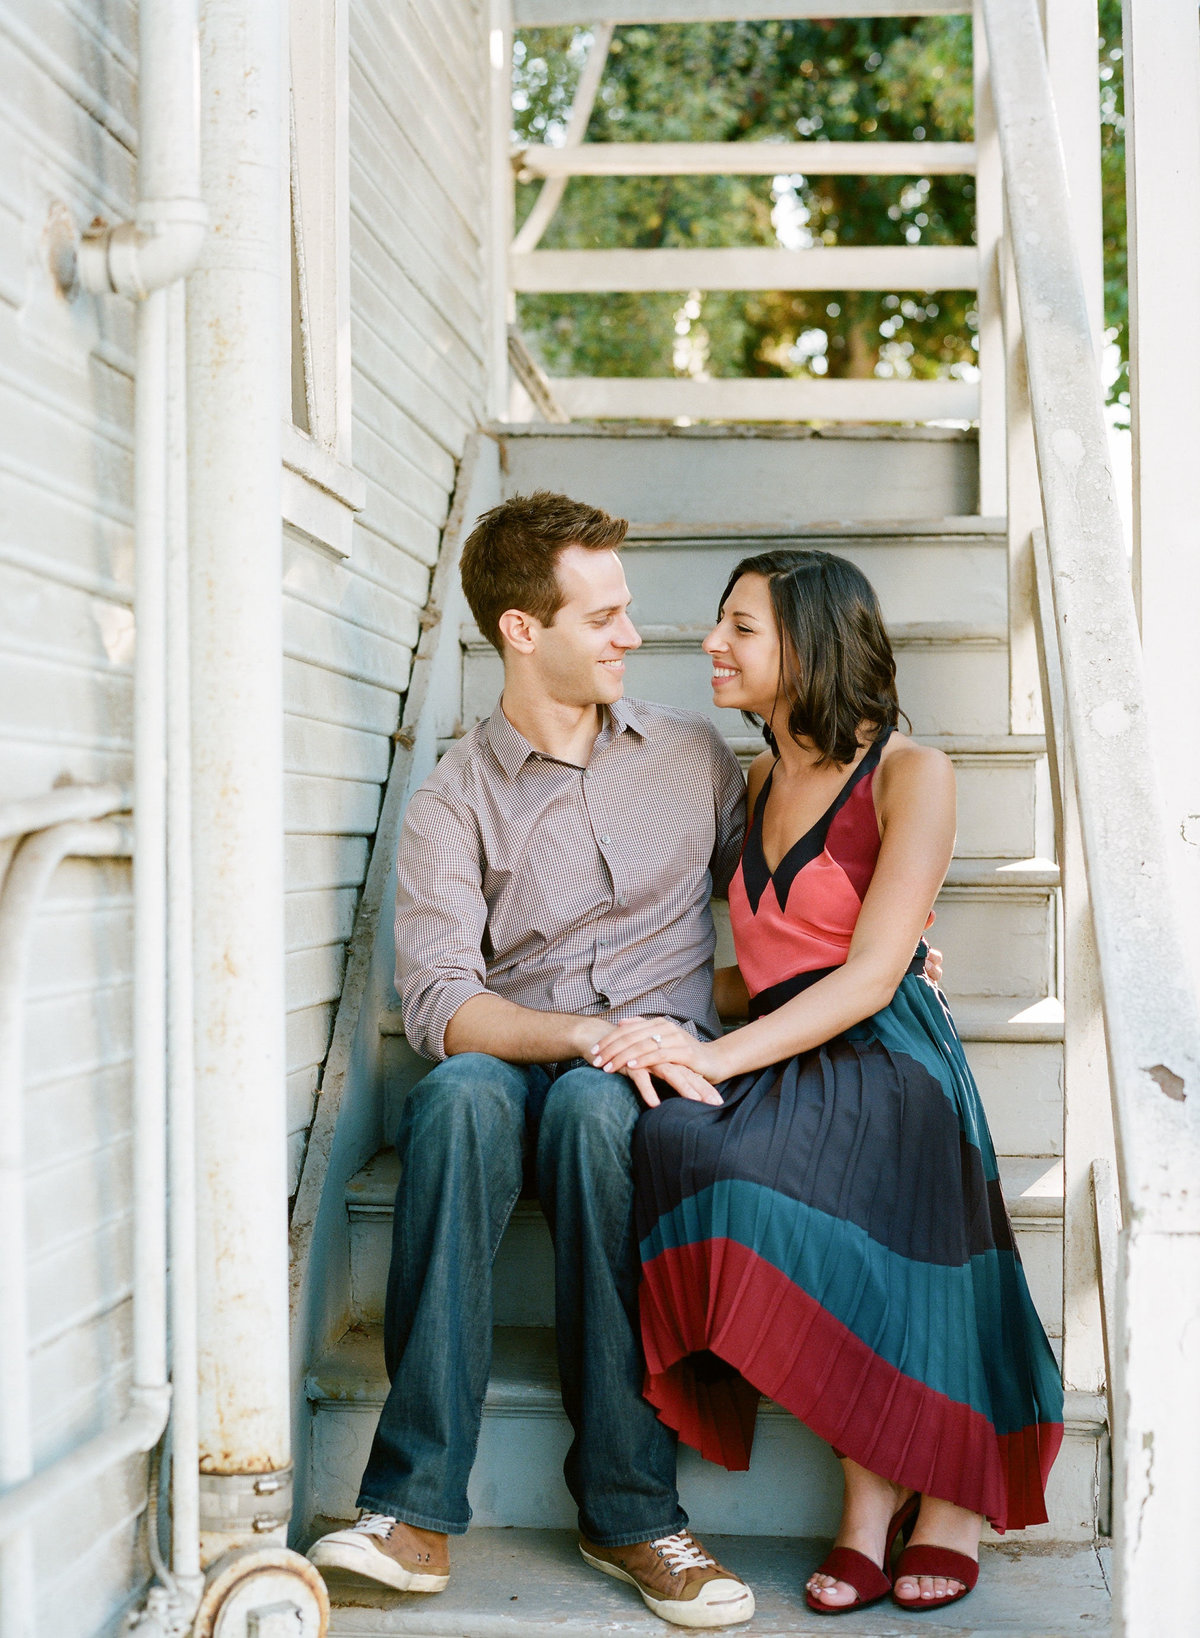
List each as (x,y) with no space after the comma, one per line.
(418,80)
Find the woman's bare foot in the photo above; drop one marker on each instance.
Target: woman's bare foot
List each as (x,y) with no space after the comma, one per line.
(867,1509)
(940,1524)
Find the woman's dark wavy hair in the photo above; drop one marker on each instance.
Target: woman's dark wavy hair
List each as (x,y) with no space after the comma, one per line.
(836,668)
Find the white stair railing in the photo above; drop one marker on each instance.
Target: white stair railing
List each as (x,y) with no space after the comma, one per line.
(843,267)
(1105,764)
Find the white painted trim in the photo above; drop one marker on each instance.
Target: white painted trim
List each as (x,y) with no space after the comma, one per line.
(834,267)
(584,13)
(320,98)
(320,495)
(744,159)
(667,398)
(989,232)
(502,307)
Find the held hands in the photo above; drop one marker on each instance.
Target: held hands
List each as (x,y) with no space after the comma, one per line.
(639,1046)
(933,966)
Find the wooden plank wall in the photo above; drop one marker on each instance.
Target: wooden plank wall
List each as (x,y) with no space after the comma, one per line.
(68,143)
(418,92)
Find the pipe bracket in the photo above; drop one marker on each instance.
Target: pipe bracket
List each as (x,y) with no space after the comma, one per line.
(236,1502)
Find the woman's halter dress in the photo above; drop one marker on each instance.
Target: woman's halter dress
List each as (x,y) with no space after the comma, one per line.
(834,1236)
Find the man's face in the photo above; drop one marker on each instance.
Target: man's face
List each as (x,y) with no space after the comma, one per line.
(580,656)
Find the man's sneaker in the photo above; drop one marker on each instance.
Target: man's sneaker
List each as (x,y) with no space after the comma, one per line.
(677,1580)
(384,1549)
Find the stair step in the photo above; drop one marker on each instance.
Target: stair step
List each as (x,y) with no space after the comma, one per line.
(952,678)
(938,531)
(917,577)
(791,1489)
(768,477)
(533,1584)
(523,1274)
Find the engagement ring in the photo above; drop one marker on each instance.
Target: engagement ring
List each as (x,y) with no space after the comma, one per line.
(657,1039)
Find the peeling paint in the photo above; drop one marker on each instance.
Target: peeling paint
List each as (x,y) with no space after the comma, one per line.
(1068,446)
(1110,719)
(1167,1081)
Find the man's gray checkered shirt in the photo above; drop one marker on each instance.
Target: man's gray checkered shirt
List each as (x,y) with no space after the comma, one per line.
(567,889)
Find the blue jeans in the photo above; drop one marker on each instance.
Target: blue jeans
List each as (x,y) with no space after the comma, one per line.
(467,1132)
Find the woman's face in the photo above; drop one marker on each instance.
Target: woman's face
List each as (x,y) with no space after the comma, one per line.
(744,649)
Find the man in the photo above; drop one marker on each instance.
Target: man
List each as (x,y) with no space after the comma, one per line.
(554,876)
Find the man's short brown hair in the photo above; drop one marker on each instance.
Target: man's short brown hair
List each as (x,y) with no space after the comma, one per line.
(510,558)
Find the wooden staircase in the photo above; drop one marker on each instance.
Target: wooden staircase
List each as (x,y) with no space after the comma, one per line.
(901,504)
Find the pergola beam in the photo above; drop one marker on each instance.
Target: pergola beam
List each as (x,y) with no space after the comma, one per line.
(834,267)
(803,399)
(581,13)
(746,159)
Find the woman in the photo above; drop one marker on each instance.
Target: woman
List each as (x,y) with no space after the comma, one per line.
(833,1234)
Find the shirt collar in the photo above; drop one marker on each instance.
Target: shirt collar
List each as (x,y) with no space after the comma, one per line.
(512,750)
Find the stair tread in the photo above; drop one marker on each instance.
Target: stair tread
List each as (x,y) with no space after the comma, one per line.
(903,634)
(1019,746)
(1032,1186)
(1002,873)
(936,531)
(533,1584)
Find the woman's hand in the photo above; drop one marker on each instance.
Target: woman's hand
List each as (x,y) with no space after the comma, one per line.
(659,1044)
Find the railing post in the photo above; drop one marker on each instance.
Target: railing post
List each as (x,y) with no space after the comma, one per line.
(1072,50)
(1162,113)
(502,303)
(989,231)
(1157,1408)
(1023,510)
(1087,1111)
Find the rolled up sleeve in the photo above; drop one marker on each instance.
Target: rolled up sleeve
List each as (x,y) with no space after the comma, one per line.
(441,918)
(729,795)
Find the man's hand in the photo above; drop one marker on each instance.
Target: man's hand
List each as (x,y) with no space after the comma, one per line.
(933,966)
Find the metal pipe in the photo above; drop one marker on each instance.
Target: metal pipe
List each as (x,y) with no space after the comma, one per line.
(163,240)
(57,806)
(33,864)
(235,330)
(181,1132)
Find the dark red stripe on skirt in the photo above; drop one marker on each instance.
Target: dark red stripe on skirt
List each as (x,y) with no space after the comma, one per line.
(785,1345)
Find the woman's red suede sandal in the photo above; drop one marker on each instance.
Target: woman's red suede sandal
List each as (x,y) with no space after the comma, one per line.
(870,1583)
(943,1561)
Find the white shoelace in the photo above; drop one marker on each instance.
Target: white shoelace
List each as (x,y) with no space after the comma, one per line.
(375,1524)
(682,1553)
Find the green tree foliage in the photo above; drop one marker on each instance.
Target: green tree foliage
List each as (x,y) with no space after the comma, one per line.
(878,80)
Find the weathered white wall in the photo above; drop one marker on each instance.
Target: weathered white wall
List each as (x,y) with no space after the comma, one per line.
(417,94)
(66,643)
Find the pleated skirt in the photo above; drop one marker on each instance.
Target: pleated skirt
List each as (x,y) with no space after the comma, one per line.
(835,1237)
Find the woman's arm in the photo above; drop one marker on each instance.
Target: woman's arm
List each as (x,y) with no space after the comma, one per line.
(916,813)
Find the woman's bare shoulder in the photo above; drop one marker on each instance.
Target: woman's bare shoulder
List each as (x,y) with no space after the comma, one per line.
(909,769)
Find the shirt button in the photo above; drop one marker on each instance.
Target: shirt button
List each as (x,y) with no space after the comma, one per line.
(605,840)
(621,904)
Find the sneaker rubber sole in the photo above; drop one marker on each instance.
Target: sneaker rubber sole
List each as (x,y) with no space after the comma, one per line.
(699,1612)
(360,1558)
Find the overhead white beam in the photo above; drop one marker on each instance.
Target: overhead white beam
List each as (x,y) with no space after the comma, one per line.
(554,13)
(667,399)
(834,267)
(747,159)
